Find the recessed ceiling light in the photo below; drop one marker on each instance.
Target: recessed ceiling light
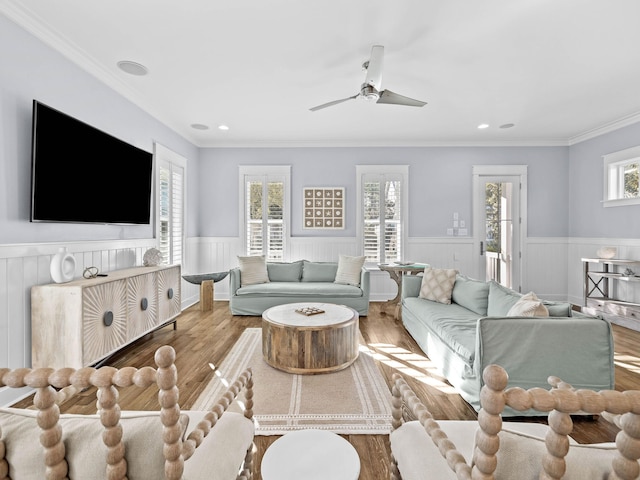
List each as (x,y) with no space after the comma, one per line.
(199,126)
(223,127)
(507,125)
(483,126)
(132,68)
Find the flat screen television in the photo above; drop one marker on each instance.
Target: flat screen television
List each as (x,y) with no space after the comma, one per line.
(80,174)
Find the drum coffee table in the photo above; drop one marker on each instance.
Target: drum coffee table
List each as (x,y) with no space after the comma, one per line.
(318,343)
(310,455)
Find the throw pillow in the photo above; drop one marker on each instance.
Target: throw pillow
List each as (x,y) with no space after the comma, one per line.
(253,270)
(319,271)
(349,270)
(501,299)
(471,294)
(437,284)
(528,306)
(284,272)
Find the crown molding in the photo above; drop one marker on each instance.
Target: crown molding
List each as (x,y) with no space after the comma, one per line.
(606,128)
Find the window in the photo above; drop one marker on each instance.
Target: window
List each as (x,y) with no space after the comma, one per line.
(621,178)
(382,210)
(170,195)
(265,214)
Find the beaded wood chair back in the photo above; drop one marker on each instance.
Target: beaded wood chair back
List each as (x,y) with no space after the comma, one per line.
(561,401)
(54,386)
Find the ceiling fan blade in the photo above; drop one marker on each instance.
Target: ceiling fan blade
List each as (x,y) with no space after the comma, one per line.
(335,102)
(374,67)
(387,96)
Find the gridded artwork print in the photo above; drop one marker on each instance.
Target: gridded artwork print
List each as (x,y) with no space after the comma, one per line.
(323,207)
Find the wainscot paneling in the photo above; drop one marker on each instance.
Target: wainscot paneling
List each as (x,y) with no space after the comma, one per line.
(544,268)
(579,248)
(25,265)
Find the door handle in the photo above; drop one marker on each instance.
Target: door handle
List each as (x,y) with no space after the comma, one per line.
(481,248)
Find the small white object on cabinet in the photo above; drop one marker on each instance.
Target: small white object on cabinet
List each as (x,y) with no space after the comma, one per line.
(63,266)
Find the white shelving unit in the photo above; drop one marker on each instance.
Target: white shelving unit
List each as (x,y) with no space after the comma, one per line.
(599,290)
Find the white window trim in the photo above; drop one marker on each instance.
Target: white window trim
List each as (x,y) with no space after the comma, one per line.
(162,153)
(611,160)
(361,172)
(253,170)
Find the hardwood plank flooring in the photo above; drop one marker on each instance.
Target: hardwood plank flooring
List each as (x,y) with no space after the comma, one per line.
(202,339)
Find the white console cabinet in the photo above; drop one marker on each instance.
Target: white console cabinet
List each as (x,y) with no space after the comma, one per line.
(79,323)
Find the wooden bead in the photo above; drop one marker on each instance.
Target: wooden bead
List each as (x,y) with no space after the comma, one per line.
(561,423)
(625,469)
(172,434)
(111,436)
(518,399)
(168,398)
(61,378)
(167,377)
(489,444)
(54,455)
(554,467)
(117,471)
(15,378)
(566,400)
(170,415)
(541,399)
(495,377)
(165,356)
(628,446)
(124,377)
(38,378)
(590,401)
(630,422)
(50,438)
(493,402)
(634,400)
(115,453)
(145,376)
(617,402)
(81,378)
(58,471)
(491,424)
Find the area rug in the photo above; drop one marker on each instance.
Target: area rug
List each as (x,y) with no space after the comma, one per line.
(355,400)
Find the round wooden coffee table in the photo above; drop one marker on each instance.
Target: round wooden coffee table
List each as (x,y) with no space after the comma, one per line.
(310,455)
(320,343)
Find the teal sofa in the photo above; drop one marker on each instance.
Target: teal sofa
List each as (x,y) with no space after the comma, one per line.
(463,337)
(294,282)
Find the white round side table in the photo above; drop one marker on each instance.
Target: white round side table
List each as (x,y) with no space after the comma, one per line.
(311,455)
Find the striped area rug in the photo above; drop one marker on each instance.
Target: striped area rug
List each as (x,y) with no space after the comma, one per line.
(355,400)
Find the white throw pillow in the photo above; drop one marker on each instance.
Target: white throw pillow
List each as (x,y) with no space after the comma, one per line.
(528,305)
(253,270)
(437,284)
(349,270)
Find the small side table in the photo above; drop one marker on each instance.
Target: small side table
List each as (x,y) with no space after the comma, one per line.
(396,271)
(206,281)
(310,455)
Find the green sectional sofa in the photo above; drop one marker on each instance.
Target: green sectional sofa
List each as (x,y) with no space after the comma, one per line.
(294,282)
(474,331)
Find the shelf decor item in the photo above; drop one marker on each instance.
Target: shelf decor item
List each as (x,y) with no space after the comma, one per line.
(152,258)
(607,252)
(323,208)
(63,266)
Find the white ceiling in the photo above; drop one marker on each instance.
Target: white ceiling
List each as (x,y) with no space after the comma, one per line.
(560,70)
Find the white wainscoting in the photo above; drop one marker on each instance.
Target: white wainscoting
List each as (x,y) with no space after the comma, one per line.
(25,265)
(543,268)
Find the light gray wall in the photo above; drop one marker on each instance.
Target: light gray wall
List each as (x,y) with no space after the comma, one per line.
(587,216)
(32,70)
(440,183)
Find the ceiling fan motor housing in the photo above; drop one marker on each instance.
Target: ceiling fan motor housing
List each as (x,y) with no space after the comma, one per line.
(369,92)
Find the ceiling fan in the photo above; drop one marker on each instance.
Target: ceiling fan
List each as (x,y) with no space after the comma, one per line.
(370,89)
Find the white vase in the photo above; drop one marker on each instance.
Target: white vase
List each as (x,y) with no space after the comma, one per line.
(63,266)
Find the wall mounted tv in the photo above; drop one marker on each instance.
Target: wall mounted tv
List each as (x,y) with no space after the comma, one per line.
(80,174)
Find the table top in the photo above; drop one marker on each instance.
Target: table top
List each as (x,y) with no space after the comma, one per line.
(311,455)
(286,314)
(402,267)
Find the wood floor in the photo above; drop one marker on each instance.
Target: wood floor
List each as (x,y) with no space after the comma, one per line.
(204,338)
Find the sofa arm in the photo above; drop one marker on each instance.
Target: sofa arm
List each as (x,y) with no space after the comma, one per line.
(577,349)
(234,281)
(365,283)
(411,285)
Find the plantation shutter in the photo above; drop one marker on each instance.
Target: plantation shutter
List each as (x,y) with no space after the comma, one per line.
(382,217)
(170,206)
(265,215)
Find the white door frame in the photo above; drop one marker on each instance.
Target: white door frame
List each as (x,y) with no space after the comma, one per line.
(479,172)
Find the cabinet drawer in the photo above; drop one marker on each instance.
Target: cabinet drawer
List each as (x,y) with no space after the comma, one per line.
(142,304)
(104,320)
(168,294)
(623,309)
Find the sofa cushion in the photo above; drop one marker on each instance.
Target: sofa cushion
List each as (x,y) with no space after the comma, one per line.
(437,284)
(558,309)
(349,270)
(253,270)
(454,325)
(528,306)
(471,294)
(284,272)
(85,450)
(319,271)
(501,299)
(301,289)
(520,456)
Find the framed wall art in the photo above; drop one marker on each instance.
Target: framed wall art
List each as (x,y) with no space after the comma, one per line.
(323,207)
